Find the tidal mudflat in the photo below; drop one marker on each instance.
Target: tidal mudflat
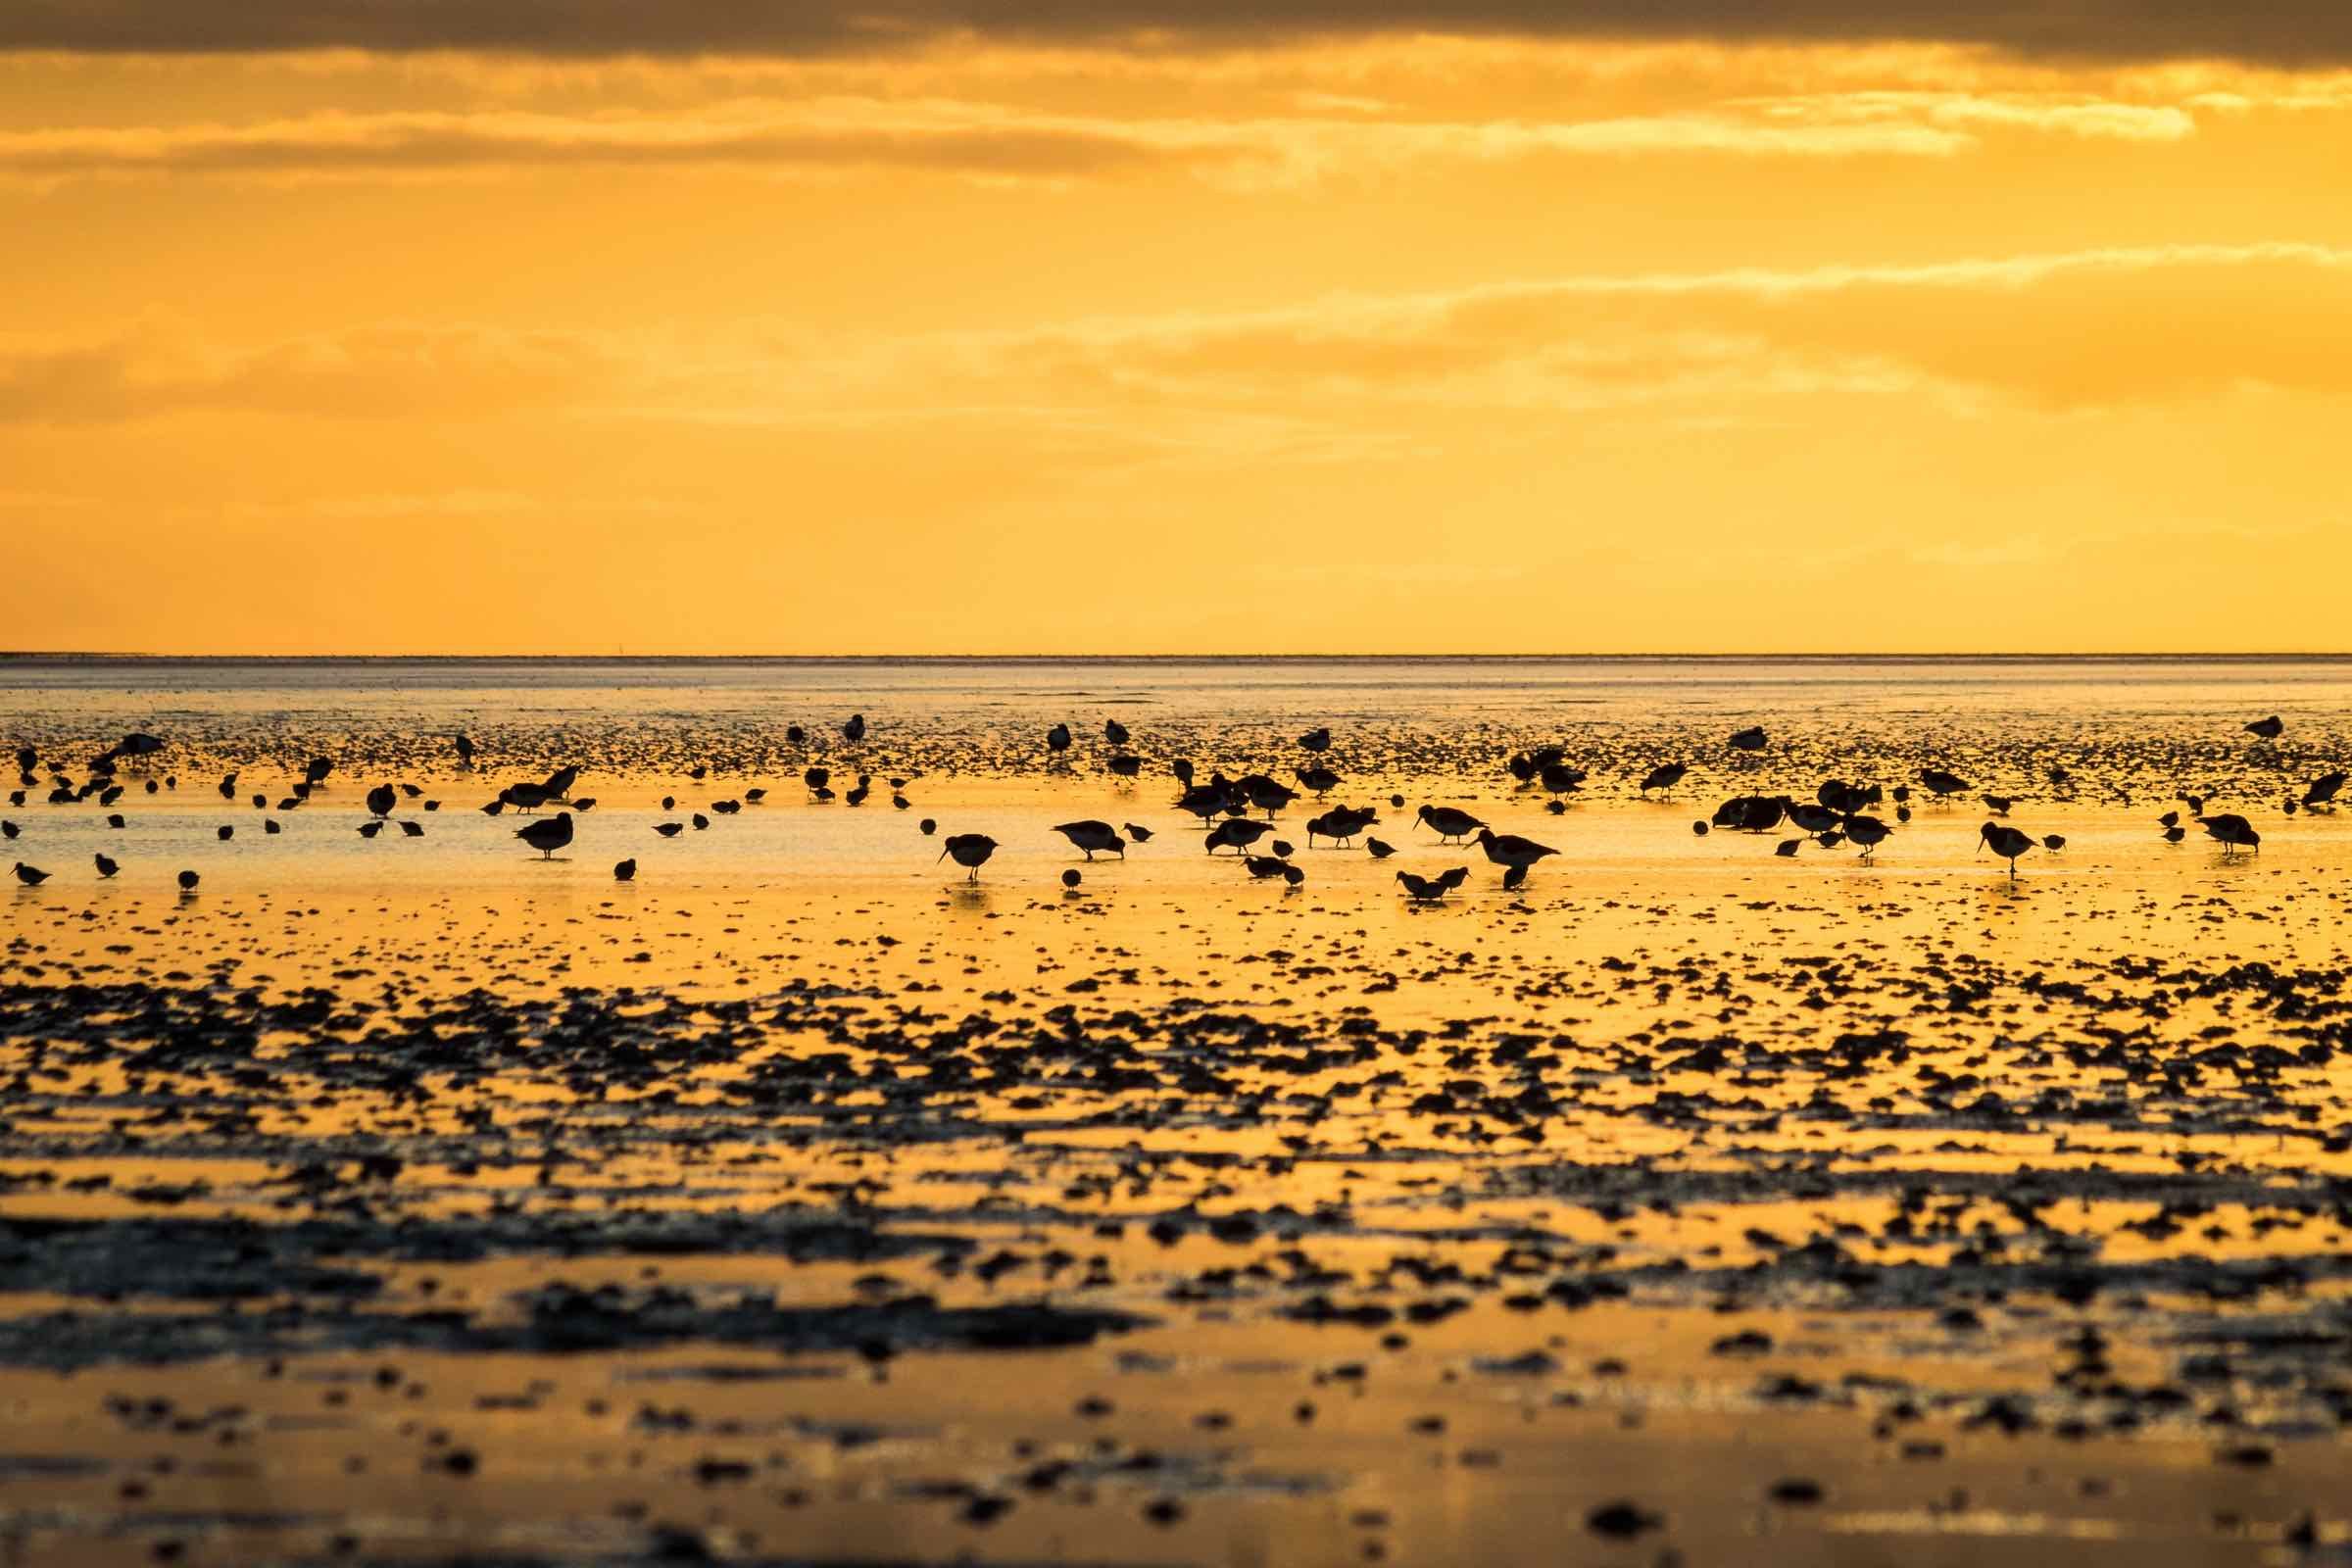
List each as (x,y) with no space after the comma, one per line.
(416,1199)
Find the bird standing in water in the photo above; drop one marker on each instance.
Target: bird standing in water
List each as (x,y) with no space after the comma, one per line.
(549,836)
(2232,832)
(1448,822)
(970,851)
(1236,833)
(106,864)
(2268,729)
(1515,855)
(1867,831)
(33,876)
(2006,841)
(1091,837)
(1430,889)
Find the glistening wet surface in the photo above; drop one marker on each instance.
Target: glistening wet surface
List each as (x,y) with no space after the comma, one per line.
(420,1199)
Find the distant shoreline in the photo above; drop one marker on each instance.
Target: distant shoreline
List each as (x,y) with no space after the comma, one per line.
(621,660)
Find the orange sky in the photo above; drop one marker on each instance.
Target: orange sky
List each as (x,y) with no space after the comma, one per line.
(1006,330)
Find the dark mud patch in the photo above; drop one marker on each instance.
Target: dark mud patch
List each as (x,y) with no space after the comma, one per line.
(558,1320)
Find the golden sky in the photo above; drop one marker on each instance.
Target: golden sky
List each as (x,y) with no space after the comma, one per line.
(1311,325)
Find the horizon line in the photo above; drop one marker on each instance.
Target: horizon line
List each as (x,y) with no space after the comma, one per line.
(91,657)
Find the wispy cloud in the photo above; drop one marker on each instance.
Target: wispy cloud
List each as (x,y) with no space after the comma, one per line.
(2061,330)
(996,141)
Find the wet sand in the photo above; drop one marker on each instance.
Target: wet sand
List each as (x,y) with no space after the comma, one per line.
(418,1200)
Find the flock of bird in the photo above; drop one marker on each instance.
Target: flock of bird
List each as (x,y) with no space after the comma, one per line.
(1840,811)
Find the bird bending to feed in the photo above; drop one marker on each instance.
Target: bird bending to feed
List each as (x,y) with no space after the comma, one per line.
(188,881)
(1093,837)
(2006,841)
(1515,853)
(970,849)
(1430,889)
(106,864)
(669,830)
(549,836)
(1663,777)
(1998,805)
(1322,780)
(624,871)
(2232,831)
(1940,783)
(1448,822)
(2268,729)
(1268,866)
(1809,817)
(2322,791)
(1750,814)
(33,876)
(1267,795)
(1316,740)
(1204,801)
(1867,831)
(2053,842)
(1750,739)
(465,745)
(1381,849)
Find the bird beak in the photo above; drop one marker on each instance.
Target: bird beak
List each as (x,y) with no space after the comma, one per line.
(943,855)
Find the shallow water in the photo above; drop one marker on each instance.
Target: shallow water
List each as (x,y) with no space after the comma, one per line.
(1815,1209)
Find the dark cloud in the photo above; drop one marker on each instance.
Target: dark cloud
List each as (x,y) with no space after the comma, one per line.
(2272,32)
